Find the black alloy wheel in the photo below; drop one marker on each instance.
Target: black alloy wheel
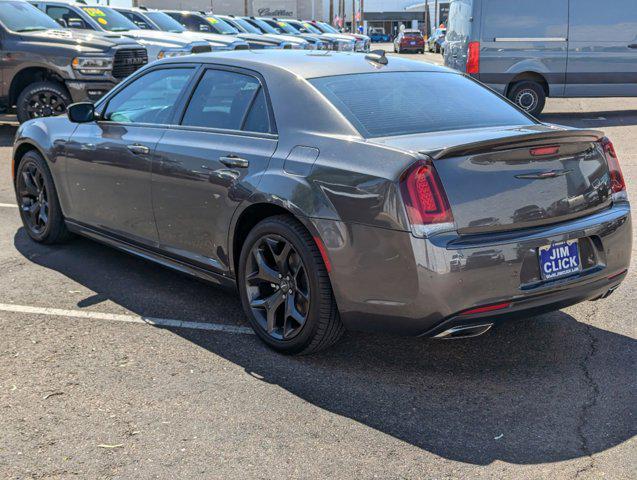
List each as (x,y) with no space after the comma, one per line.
(278,287)
(38,202)
(34,198)
(42,99)
(45,104)
(285,288)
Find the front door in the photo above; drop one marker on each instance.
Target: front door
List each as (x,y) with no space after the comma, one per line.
(109,161)
(210,163)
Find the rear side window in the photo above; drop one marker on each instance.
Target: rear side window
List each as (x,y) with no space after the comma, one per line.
(402,103)
(229,101)
(504,19)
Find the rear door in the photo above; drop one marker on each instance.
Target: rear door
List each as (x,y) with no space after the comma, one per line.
(210,163)
(520,37)
(602,54)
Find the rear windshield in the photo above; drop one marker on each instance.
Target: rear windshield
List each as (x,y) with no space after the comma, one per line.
(459,24)
(403,103)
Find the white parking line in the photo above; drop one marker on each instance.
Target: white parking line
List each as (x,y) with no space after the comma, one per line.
(114,317)
(8,205)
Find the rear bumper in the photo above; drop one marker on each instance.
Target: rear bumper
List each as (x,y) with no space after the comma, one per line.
(570,294)
(390,281)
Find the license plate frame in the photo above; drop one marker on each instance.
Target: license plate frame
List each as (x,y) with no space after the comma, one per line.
(559,259)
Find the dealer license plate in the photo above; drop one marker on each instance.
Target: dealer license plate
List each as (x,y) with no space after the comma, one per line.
(559,259)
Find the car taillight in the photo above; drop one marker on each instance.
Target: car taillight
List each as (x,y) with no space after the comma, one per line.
(473,57)
(424,197)
(617,183)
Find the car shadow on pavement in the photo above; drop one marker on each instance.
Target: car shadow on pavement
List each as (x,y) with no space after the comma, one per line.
(531,391)
(589,119)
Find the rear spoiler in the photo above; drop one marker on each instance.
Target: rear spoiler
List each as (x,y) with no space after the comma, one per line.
(517,141)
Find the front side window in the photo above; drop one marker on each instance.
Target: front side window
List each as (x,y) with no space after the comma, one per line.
(403,103)
(137,20)
(229,101)
(165,22)
(21,16)
(150,98)
(328,28)
(109,19)
(306,27)
(66,17)
(240,23)
(265,27)
(221,26)
(193,23)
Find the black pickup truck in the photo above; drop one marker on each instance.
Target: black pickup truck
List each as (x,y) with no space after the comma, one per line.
(44,68)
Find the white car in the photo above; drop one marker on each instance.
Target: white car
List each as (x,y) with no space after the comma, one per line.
(107,20)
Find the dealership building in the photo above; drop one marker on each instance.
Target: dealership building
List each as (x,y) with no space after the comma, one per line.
(386,14)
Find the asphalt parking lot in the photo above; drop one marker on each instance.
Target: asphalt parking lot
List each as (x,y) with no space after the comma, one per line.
(99,378)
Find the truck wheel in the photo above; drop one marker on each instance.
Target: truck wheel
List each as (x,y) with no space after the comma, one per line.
(42,99)
(529,96)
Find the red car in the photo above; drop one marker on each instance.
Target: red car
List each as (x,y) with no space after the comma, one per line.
(409,41)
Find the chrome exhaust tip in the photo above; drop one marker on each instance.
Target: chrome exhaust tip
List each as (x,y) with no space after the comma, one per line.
(464,331)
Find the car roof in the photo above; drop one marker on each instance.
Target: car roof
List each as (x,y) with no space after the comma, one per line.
(308,64)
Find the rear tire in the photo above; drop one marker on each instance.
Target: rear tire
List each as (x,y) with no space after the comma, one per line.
(529,96)
(42,99)
(38,201)
(281,247)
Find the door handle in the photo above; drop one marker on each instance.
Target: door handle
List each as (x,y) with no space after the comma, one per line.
(233,161)
(632,45)
(138,149)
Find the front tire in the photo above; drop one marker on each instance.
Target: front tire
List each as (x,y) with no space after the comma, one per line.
(42,99)
(529,96)
(285,288)
(38,201)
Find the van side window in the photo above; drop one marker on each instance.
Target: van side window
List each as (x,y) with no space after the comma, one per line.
(611,24)
(536,19)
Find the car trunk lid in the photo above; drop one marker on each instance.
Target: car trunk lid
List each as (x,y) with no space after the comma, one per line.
(498,180)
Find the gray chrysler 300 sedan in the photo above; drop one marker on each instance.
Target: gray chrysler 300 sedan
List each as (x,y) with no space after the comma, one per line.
(335,191)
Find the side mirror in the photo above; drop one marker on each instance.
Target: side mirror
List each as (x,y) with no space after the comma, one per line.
(82,112)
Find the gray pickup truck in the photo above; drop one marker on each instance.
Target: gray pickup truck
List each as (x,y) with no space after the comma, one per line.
(44,68)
